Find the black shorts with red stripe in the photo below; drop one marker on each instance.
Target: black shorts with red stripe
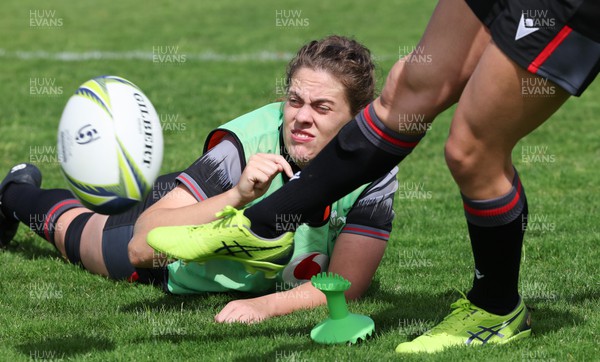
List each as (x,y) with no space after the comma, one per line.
(555,39)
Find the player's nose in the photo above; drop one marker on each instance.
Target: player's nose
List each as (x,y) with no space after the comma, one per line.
(304,114)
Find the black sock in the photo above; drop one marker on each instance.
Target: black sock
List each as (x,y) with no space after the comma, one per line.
(362,152)
(496,228)
(37,208)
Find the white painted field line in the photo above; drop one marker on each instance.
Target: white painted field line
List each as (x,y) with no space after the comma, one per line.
(67,56)
(142,55)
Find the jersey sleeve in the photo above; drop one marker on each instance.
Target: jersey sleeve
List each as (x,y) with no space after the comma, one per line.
(373,213)
(215,172)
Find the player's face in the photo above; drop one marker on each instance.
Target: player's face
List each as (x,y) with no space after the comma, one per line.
(315,111)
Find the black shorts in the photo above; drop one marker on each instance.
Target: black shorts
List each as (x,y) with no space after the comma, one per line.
(160,188)
(555,39)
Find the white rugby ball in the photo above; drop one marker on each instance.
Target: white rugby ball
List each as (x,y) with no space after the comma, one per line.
(110,144)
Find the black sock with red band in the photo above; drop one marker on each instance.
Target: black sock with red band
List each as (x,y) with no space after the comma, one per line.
(496,228)
(37,208)
(363,151)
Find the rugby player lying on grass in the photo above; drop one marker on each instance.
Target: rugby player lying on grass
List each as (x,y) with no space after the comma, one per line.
(329,81)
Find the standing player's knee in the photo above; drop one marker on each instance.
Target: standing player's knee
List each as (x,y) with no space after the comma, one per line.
(461,158)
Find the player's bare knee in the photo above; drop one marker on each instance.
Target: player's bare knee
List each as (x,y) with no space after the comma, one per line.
(461,158)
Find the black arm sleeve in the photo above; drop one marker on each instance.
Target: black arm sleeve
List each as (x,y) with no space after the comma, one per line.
(215,172)
(373,212)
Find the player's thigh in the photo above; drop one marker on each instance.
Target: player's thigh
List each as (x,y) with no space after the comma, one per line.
(62,225)
(91,245)
(455,38)
(493,114)
(431,74)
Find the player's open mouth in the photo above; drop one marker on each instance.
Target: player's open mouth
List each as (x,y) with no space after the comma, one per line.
(301,136)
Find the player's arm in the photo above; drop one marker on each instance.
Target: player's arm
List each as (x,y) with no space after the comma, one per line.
(178,207)
(356,256)
(181,207)
(350,251)
(205,189)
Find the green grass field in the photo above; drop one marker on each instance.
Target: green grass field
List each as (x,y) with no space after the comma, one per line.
(226,58)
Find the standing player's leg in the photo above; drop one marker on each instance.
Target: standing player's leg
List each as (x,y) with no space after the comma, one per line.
(382,135)
(478,153)
(491,117)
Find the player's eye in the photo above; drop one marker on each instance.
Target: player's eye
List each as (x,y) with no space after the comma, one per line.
(294,102)
(322,109)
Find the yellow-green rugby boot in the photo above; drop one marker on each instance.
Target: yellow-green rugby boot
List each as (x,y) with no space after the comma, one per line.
(469,325)
(229,237)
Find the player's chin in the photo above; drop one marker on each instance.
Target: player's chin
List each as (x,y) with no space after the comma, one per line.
(300,155)
(303,160)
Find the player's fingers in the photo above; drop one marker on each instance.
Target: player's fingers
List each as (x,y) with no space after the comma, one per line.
(225,313)
(280,161)
(269,168)
(262,164)
(220,317)
(258,177)
(236,316)
(238,311)
(287,168)
(240,318)
(229,318)
(246,316)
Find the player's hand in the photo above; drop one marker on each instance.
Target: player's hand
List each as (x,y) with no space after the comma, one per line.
(258,174)
(244,311)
